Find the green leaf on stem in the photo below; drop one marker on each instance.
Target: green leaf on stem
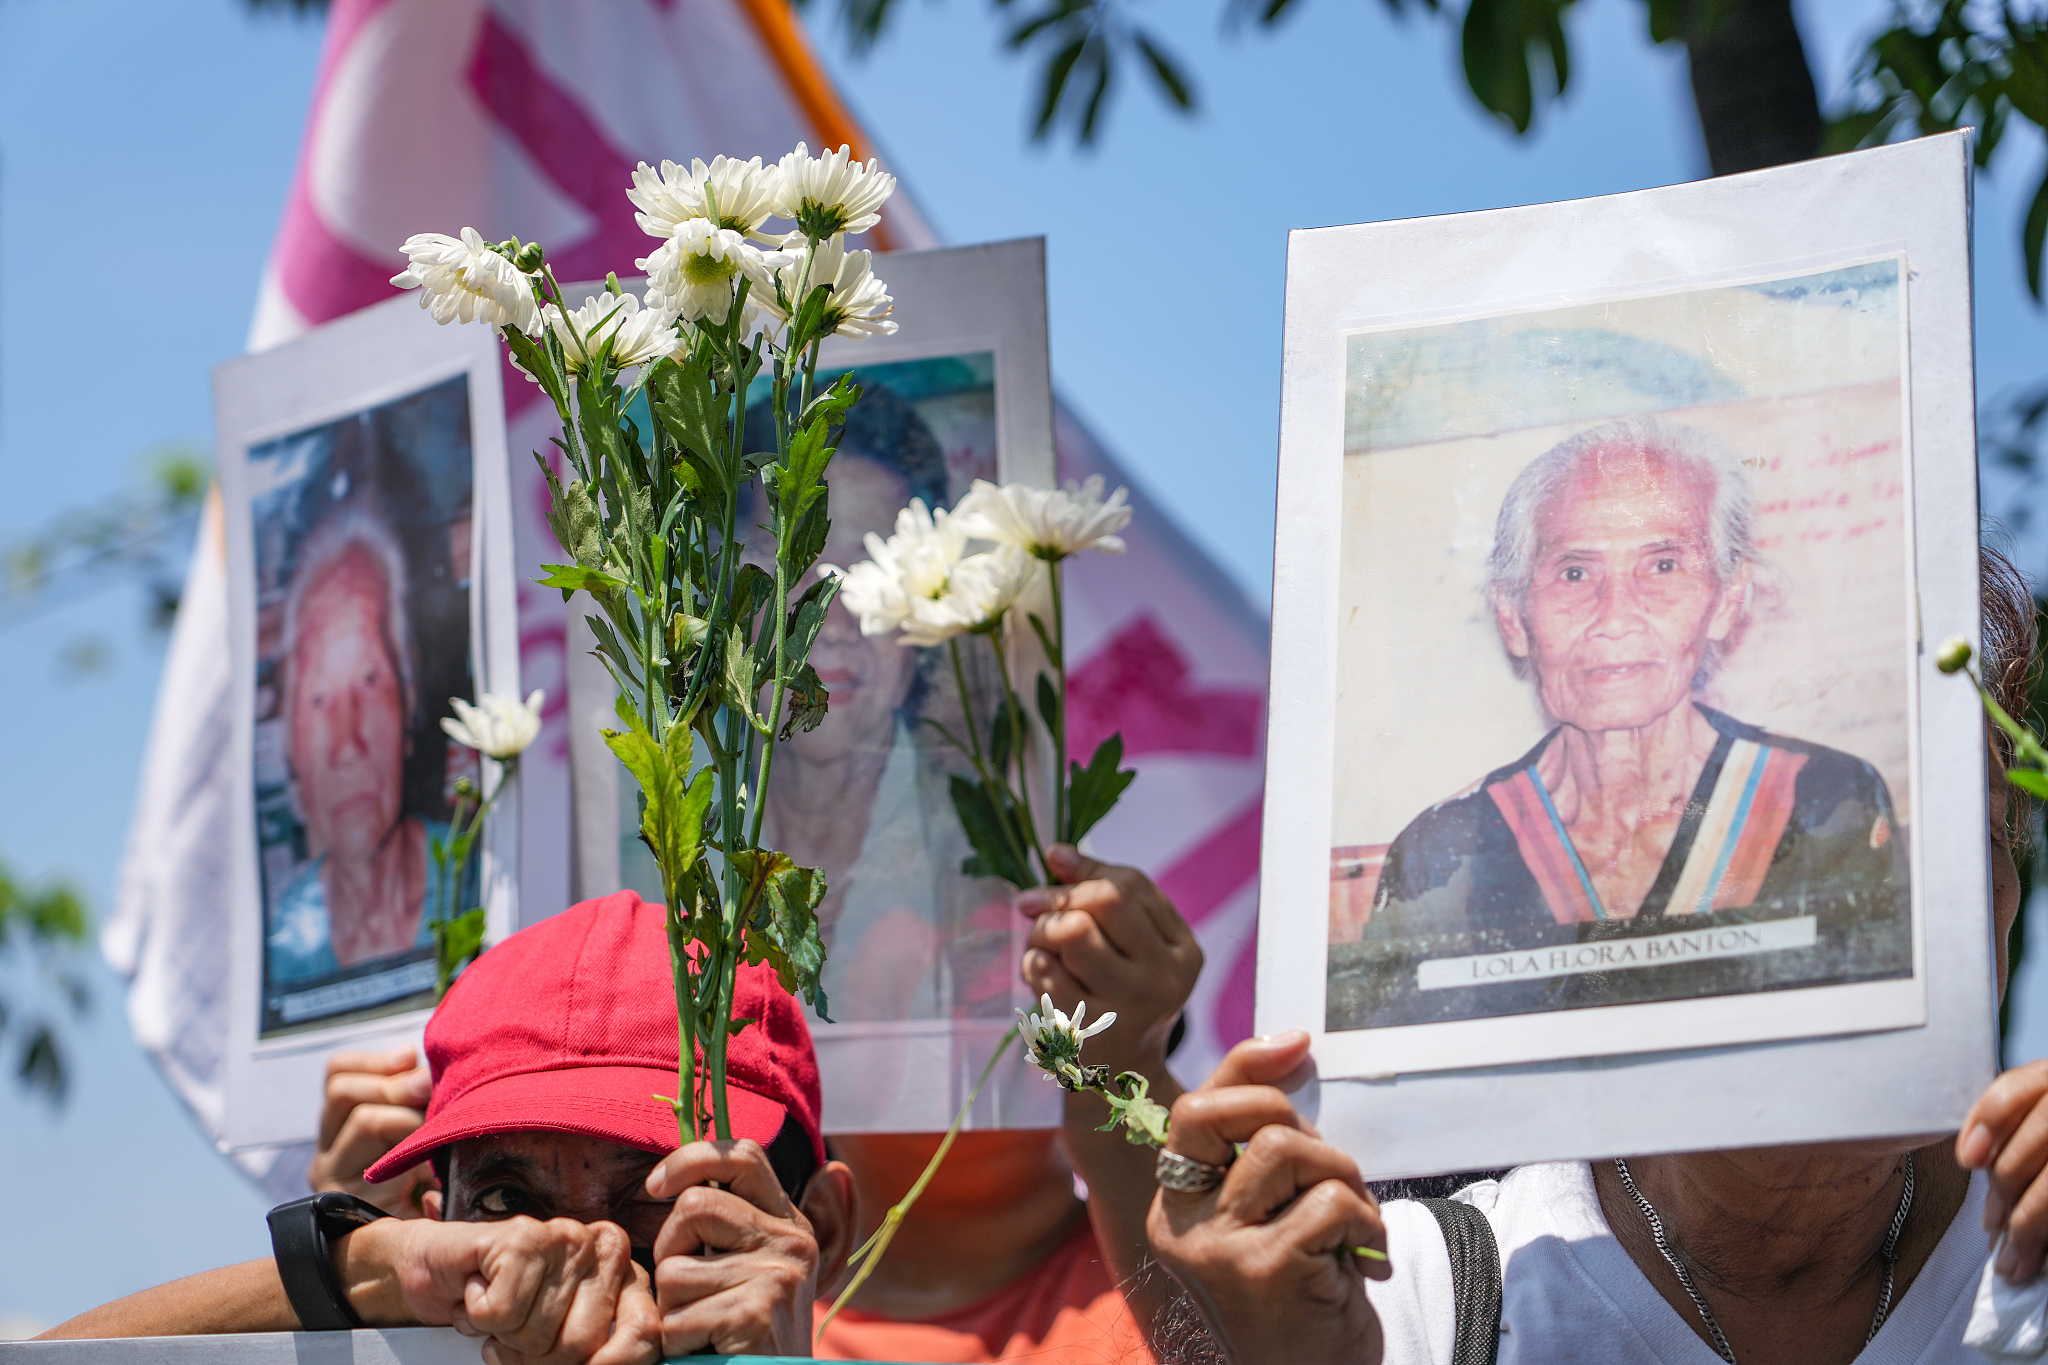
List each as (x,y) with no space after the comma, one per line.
(672,822)
(1132,1108)
(1048,700)
(982,818)
(688,407)
(625,666)
(1095,788)
(808,540)
(807,701)
(738,677)
(779,908)
(456,941)
(572,514)
(807,617)
(687,632)
(571,577)
(2028,780)
(531,357)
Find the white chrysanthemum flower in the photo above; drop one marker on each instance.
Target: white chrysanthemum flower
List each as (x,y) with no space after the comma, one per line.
(499,726)
(693,274)
(633,334)
(860,303)
(732,194)
(1055,1040)
(833,193)
(462,279)
(1049,523)
(915,564)
(981,589)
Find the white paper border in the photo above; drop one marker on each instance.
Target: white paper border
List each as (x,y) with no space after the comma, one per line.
(1913,194)
(369,357)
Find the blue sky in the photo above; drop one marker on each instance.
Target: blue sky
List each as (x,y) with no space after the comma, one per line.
(144,155)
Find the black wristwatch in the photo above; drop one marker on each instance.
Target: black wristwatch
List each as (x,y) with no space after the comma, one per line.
(301,1241)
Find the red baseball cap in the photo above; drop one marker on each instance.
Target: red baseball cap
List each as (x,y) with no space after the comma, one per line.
(570,1027)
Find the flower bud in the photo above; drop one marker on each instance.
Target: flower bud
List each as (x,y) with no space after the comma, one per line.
(528,258)
(464,788)
(1953,654)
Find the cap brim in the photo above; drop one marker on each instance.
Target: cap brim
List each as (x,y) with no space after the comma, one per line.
(616,1103)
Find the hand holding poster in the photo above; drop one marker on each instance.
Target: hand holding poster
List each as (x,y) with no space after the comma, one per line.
(1611,533)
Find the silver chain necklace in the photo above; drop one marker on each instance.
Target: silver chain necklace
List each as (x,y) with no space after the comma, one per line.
(1888,1253)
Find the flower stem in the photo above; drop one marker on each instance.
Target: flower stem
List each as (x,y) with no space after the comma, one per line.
(1018,736)
(993,782)
(1060,830)
(870,1253)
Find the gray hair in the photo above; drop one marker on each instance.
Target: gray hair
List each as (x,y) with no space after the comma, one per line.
(1511,566)
(351,526)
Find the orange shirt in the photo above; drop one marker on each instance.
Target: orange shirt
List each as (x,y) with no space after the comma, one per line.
(1068,1311)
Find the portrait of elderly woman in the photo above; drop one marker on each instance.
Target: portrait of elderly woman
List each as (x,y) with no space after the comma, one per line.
(362,562)
(864,796)
(1622,573)
(348,697)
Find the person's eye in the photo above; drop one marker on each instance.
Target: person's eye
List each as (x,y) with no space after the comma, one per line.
(1666,565)
(1574,574)
(503,1201)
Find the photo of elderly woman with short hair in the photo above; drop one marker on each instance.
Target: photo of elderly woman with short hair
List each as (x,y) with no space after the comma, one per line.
(363,568)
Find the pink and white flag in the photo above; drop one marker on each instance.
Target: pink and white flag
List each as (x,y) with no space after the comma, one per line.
(524,117)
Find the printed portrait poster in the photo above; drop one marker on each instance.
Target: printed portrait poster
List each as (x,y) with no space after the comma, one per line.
(1626,660)
(1647,549)
(921,971)
(362,531)
(365,499)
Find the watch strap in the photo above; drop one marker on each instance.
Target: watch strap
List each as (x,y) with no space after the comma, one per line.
(302,1235)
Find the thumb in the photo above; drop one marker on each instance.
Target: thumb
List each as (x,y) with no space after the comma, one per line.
(1071,865)
(1261,1061)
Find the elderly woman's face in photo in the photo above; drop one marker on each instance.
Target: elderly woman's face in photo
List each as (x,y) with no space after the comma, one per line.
(868,678)
(1624,595)
(347,722)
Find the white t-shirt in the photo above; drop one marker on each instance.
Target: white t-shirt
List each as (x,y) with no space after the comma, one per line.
(1570,1292)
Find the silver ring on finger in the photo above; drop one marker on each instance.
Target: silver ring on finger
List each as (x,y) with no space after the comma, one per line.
(1186,1175)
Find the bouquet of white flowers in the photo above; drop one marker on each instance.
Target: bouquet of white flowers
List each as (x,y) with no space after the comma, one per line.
(927,585)
(709,648)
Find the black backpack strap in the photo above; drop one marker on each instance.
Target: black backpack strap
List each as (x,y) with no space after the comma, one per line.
(1475,1280)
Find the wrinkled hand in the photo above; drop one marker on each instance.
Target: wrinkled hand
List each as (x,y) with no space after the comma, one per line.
(1111,938)
(2006,1135)
(553,1293)
(736,1268)
(374,1102)
(1266,1252)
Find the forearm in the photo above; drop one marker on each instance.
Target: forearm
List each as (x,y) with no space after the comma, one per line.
(250,1297)
(239,1298)
(1120,1186)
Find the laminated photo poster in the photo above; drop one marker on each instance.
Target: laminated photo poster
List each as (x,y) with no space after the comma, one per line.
(1624,808)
